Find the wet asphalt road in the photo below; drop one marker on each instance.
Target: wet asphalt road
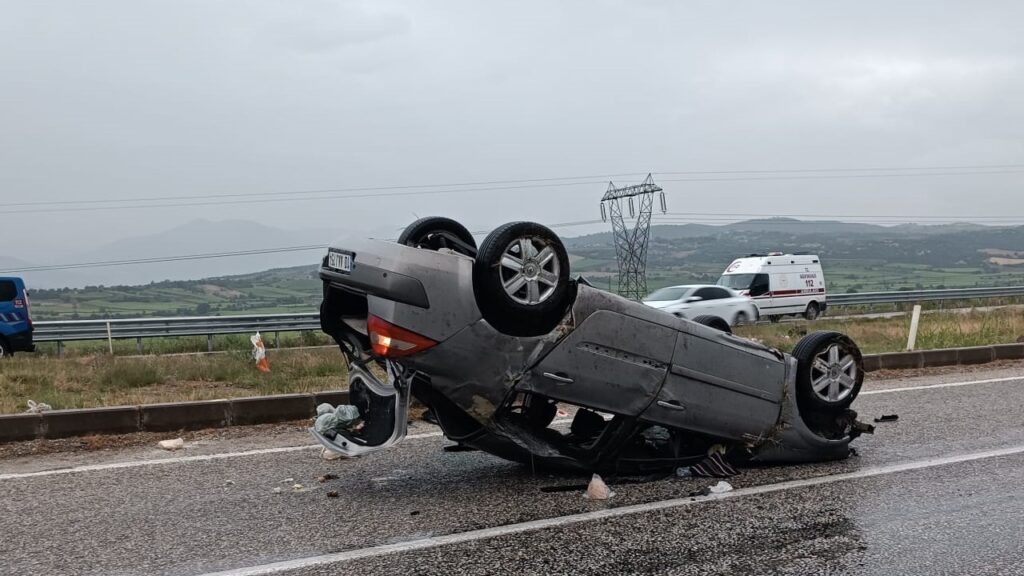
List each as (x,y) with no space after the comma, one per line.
(203,516)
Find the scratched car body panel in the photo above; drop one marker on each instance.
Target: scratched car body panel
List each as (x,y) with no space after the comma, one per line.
(430,312)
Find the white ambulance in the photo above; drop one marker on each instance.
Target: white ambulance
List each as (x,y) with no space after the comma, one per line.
(780,284)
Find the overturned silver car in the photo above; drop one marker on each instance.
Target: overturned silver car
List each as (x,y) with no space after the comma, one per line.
(494,339)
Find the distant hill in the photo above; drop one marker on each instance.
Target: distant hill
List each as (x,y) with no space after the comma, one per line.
(856,257)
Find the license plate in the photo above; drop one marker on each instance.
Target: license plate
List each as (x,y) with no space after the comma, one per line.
(339,261)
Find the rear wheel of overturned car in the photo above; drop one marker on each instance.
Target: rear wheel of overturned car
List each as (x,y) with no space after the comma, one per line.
(521,279)
(830,371)
(438,232)
(714,322)
(812,311)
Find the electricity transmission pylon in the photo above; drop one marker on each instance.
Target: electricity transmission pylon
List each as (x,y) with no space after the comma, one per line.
(631,244)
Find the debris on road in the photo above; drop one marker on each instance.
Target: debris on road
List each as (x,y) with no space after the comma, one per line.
(459,448)
(888,418)
(326,477)
(297,487)
(598,490)
(720,488)
(329,454)
(229,483)
(276,490)
(684,472)
(714,466)
(288,481)
(176,444)
(332,494)
(34,408)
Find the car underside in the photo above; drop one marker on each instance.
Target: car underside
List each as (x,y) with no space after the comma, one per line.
(498,341)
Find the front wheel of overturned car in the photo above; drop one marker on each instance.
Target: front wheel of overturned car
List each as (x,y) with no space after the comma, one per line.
(521,279)
(713,322)
(438,232)
(830,371)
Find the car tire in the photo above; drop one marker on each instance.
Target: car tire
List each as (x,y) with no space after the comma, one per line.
(812,311)
(438,232)
(5,349)
(741,318)
(522,296)
(714,322)
(830,371)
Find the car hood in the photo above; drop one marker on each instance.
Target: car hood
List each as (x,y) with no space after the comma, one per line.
(660,303)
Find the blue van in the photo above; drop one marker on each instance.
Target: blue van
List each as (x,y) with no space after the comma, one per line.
(15,317)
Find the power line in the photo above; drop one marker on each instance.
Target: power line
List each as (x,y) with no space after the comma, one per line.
(277,200)
(321,191)
(108,263)
(871,169)
(839,176)
(92,205)
(207,256)
(835,216)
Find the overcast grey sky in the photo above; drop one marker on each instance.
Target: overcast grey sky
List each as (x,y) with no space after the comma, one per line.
(135,98)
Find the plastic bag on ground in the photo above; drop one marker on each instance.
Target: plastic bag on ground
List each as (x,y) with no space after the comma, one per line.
(34,408)
(598,490)
(259,353)
(342,418)
(176,444)
(720,488)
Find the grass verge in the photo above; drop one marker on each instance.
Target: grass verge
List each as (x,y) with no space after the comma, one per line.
(952,330)
(91,381)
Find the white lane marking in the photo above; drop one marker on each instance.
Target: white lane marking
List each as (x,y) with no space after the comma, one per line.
(511,529)
(208,457)
(943,385)
(198,458)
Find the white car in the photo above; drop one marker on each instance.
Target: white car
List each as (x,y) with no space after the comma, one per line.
(691,301)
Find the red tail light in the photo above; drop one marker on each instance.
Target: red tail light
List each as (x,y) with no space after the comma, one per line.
(391,341)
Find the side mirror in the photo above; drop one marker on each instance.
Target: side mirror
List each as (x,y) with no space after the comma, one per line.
(694,299)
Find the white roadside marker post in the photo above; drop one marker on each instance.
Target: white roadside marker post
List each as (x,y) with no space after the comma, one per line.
(914,319)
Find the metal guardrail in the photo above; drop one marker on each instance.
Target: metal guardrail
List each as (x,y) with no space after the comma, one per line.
(922,295)
(61,331)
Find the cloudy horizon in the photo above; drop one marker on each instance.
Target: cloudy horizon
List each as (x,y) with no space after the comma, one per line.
(218,106)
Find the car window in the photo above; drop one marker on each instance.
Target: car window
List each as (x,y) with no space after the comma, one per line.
(666,294)
(759,286)
(721,293)
(711,293)
(7,291)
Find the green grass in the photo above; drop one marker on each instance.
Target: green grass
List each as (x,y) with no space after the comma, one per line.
(87,378)
(91,381)
(939,330)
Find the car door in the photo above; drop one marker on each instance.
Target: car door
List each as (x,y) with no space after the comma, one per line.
(714,301)
(612,362)
(760,293)
(720,385)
